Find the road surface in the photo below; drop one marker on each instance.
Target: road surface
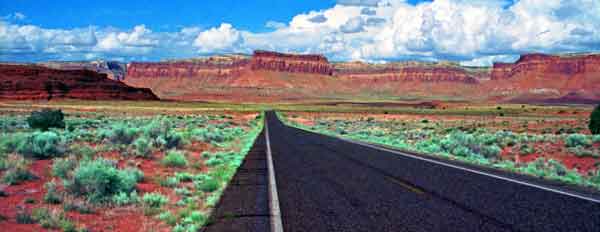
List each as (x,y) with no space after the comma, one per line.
(327,184)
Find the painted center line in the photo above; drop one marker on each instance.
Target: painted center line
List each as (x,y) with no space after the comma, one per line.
(276,224)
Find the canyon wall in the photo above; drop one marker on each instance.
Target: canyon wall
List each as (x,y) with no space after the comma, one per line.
(113,69)
(548,76)
(31,82)
(273,61)
(271,75)
(540,64)
(218,66)
(407,72)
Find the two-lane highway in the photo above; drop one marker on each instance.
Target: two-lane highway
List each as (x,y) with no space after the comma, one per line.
(327,184)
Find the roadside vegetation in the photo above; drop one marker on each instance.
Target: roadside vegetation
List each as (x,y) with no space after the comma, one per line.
(95,171)
(557,148)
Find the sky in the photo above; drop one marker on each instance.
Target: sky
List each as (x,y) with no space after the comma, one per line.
(472,32)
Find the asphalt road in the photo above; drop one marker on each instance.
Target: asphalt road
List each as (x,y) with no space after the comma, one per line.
(327,184)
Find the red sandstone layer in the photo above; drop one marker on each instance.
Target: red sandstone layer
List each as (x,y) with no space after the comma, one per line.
(29,82)
(548,76)
(288,76)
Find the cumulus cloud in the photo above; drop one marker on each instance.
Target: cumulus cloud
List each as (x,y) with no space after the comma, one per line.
(368,11)
(225,38)
(275,24)
(359,2)
(318,19)
(490,60)
(16,16)
(475,32)
(353,25)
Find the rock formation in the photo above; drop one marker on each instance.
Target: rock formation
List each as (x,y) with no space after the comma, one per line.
(408,72)
(31,82)
(113,69)
(272,76)
(539,76)
(218,66)
(273,61)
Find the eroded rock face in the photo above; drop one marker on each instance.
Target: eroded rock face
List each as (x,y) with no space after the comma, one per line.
(224,66)
(273,61)
(30,82)
(549,77)
(271,75)
(113,69)
(540,64)
(409,72)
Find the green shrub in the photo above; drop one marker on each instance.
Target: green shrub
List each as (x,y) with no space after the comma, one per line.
(122,134)
(42,145)
(208,185)
(10,143)
(83,151)
(525,149)
(46,119)
(99,180)
(62,167)
(77,206)
(154,200)
(195,218)
(184,176)
(51,196)
(122,198)
(595,178)
(213,161)
(596,139)
(142,147)
(594,125)
(168,218)
(581,152)
(174,159)
(157,128)
(183,191)
(23,217)
(491,151)
(557,167)
(174,140)
(574,140)
(17,173)
(52,219)
(461,151)
(169,182)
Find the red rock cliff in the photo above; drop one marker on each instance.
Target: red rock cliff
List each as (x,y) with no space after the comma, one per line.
(209,67)
(409,71)
(273,61)
(540,75)
(539,64)
(29,82)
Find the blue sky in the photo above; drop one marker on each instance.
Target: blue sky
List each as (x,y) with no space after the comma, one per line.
(475,32)
(159,15)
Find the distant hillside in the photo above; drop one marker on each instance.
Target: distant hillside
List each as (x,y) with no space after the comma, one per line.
(32,82)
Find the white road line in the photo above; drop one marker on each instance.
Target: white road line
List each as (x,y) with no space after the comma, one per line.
(473,171)
(276,225)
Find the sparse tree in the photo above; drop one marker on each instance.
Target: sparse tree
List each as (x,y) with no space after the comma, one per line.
(595,121)
(46,118)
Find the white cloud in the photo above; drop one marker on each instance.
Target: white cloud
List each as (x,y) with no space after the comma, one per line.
(490,60)
(225,38)
(16,16)
(359,2)
(353,25)
(275,24)
(19,16)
